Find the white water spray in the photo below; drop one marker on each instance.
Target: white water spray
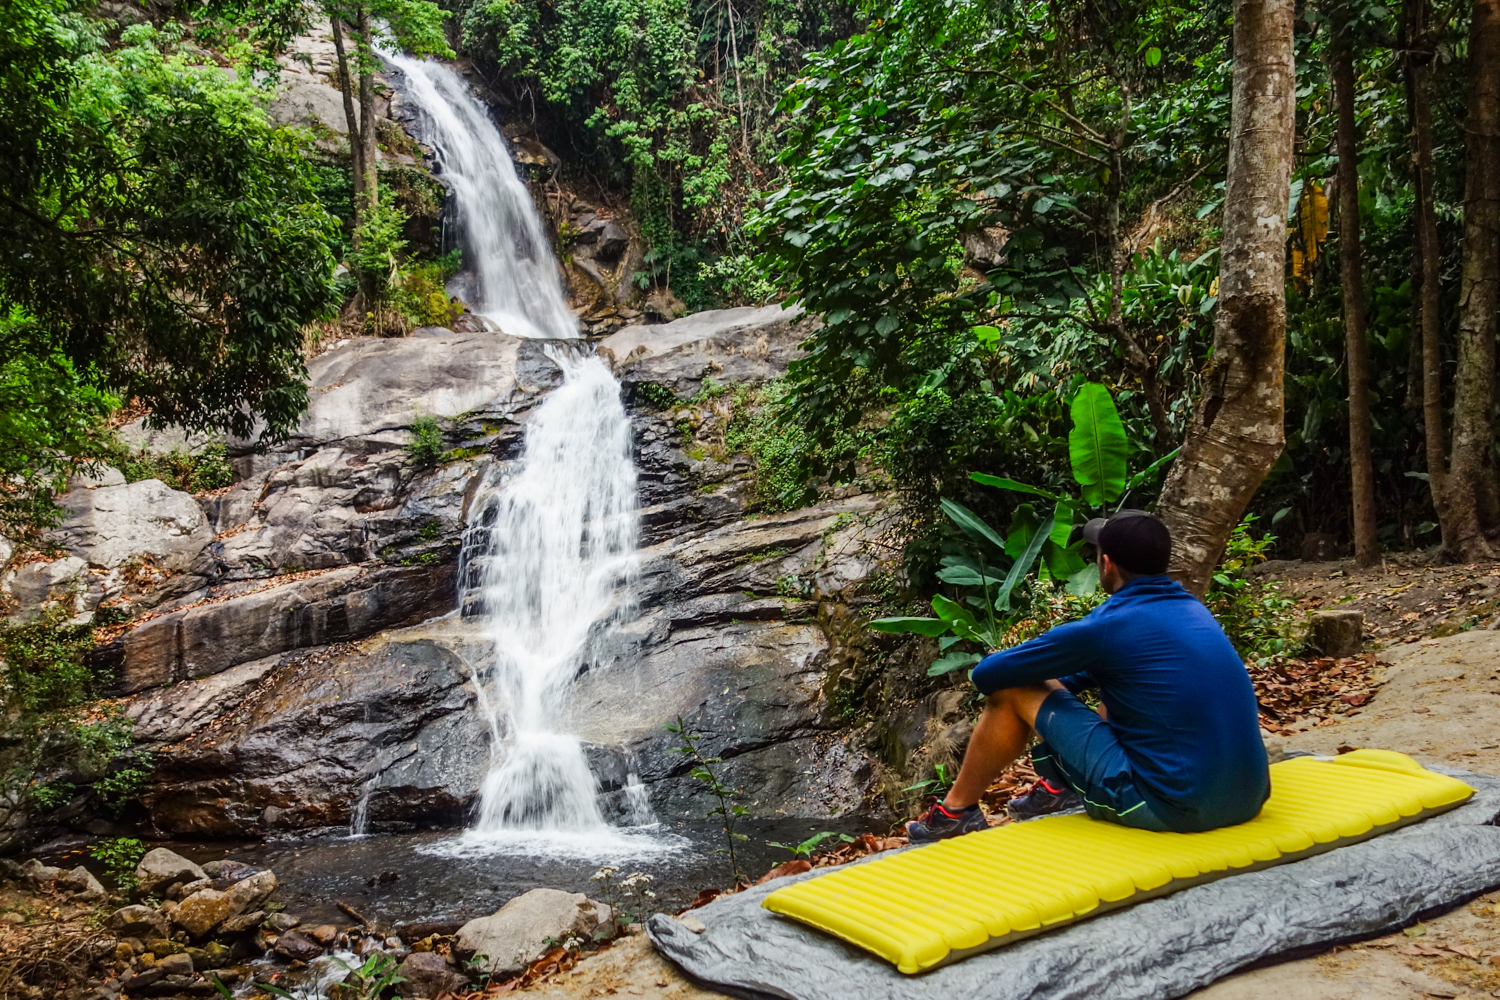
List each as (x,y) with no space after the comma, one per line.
(553,547)
(512,276)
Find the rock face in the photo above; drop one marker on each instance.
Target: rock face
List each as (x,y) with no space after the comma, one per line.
(522,930)
(321,660)
(110,526)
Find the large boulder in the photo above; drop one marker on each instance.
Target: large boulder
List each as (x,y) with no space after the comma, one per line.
(428,975)
(747,344)
(161,869)
(34,585)
(523,930)
(204,910)
(337,606)
(112,526)
(138,921)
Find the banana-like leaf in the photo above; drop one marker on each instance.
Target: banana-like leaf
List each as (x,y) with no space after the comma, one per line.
(919,626)
(1022,565)
(972,524)
(1097,445)
(951,662)
(1023,524)
(1085,581)
(1150,471)
(1062,561)
(951,611)
(965,576)
(1010,484)
(1062,524)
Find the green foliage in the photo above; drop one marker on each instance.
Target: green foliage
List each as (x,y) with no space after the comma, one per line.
(160,233)
(728,811)
(781,450)
(50,425)
(120,856)
(1258,619)
(208,469)
(374,978)
(811,844)
(426,447)
(377,246)
(419,293)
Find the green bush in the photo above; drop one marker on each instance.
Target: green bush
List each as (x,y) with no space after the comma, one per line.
(1258,619)
(120,856)
(426,447)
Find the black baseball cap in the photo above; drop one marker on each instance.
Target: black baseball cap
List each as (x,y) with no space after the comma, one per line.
(1137,541)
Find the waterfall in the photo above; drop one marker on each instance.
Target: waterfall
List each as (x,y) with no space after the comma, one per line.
(510,274)
(549,554)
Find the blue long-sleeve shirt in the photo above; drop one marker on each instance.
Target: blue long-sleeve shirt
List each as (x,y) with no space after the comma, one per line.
(1177,695)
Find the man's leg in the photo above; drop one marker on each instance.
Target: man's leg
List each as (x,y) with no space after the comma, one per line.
(999,737)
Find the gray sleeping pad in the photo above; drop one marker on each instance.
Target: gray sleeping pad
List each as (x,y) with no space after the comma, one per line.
(1157,949)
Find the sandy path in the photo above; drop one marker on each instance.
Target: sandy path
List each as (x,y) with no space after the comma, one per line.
(1441,702)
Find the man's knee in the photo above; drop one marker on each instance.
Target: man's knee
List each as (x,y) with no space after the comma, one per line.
(1024,702)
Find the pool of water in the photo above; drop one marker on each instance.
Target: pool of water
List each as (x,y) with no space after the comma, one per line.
(452,875)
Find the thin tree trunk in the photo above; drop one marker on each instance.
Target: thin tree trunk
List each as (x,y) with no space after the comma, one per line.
(1472,466)
(1452,499)
(739,90)
(367,107)
(1351,267)
(346,88)
(1236,434)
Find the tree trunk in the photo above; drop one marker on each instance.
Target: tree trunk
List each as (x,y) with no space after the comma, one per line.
(1351,268)
(367,107)
(1452,498)
(1472,465)
(1236,434)
(346,88)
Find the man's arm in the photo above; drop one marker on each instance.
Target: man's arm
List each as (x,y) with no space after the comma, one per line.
(1058,652)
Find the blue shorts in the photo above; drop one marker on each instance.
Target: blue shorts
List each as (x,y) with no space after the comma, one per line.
(1079,751)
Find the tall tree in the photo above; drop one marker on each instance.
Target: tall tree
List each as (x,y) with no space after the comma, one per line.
(1351,271)
(1452,494)
(1472,464)
(1236,433)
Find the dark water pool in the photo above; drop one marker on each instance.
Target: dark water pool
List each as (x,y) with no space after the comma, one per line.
(442,875)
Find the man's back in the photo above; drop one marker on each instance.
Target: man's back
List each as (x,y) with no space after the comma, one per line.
(1176,693)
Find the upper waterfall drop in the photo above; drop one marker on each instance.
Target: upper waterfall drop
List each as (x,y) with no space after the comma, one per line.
(512,277)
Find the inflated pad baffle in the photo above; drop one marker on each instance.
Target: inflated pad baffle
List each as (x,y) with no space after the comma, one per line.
(926,907)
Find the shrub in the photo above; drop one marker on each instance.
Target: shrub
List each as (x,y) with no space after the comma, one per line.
(426,447)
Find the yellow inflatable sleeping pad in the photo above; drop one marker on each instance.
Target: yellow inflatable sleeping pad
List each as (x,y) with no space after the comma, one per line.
(926,907)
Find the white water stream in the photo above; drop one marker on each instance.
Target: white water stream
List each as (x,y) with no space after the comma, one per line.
(553,544)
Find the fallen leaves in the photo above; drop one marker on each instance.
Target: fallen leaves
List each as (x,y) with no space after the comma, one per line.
(1292,689)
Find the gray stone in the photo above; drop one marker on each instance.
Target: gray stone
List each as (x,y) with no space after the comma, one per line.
(175,965)
(279,923)
(344,604)
(305,102)
(517,934)
(610,242)
(82,884)
(747,344)
(139,922)
(185,889)
(1337,633)
(161,869)
(137,437)
(36,584)
(112,526)
(252,891)
(38,875)
(103,475)
(428,974)
(169,714)
(244,922)
(298,947)
(204,910)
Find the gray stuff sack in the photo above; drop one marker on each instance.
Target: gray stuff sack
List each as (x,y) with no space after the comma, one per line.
(1158,949)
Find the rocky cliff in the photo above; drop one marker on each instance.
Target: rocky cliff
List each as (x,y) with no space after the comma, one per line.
(295,641)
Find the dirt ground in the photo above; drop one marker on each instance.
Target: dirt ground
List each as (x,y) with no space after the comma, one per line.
(1440,702)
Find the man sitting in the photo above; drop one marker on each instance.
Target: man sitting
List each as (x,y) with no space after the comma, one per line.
(1176,742)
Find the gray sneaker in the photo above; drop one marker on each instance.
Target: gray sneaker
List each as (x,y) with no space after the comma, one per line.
(937,823)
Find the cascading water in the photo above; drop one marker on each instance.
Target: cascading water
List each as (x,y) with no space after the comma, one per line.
(553,544)
(511,274)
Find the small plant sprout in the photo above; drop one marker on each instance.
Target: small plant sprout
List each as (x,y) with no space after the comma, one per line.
(727,810)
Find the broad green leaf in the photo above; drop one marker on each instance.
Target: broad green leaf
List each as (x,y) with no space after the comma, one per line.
(1010,484)
(1022,565)
(972,524)
(1085,581)
(1150,471)
(952,662)
(1097,445)
(1062,561)
(1062,524)
(1153,56)
(987,334)
(919,626)
(1022,526)
(965,576)
(951,611)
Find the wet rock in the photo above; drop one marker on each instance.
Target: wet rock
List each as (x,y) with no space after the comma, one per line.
(297,947)
(242,923)
(747,344)
(204,910)
(324,934)
(183,890)
(170,714)
(252,891)
(138,921)
(225,868)
(345,604)
(144,978)
(518,933)
(82,884)
(428,974)
(278,923)
(160,869)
